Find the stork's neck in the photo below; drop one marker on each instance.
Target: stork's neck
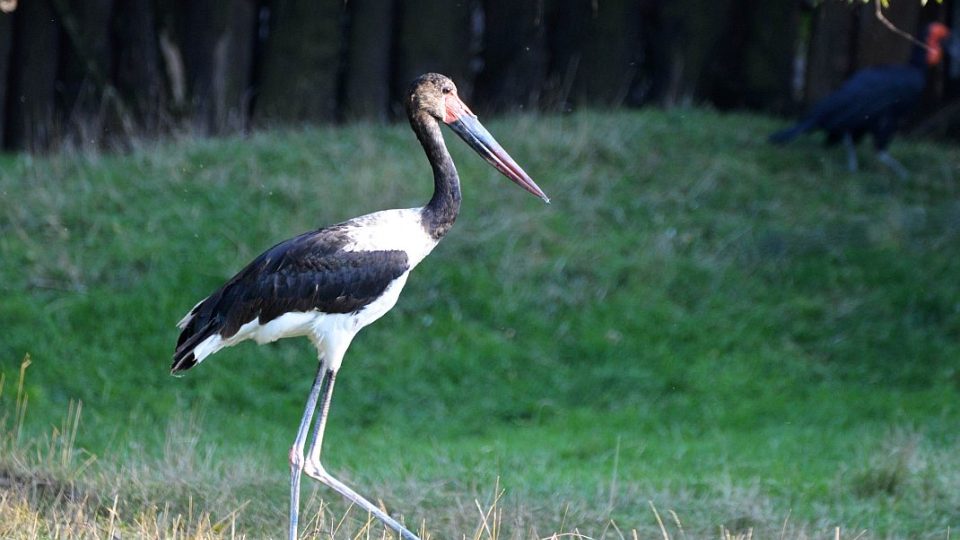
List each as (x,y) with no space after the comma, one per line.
(440,213)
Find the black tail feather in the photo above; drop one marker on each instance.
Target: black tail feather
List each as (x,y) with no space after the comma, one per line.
(190,337)
(183,362)
(786,135)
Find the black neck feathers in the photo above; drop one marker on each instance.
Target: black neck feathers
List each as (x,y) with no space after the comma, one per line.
(440,213)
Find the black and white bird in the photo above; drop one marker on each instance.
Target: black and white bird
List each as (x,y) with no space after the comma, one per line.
(329,283)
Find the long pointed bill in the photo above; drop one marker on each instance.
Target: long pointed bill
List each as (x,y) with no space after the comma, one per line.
(465,124)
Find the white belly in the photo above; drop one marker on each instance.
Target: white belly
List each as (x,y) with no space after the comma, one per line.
(327,330)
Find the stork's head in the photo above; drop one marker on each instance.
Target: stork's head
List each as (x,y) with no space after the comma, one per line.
(436,95)
(427,94)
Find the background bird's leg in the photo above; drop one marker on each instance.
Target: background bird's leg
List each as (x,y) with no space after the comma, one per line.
(851,152)
(296,452)
(894,165)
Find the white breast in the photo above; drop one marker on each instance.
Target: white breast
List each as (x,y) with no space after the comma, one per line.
(392,230)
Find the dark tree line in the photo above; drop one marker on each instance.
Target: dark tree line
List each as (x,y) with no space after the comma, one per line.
(99,72)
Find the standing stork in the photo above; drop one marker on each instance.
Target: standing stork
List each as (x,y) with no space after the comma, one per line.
(329,283)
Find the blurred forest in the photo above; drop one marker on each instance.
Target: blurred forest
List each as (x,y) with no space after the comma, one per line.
(103,72)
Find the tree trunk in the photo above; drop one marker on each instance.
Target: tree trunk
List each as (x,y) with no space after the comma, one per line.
(6,41)
(217,43)
(695,28)
(233,68)
(593,49)
(137,71)
(567,26)
(514,55)
(609,56)
(301,62)
(85,67)
(830,57)
(436,36)
(30,104)
(653,62)
(752,65)
(366,84)
(199,26)
(771,56)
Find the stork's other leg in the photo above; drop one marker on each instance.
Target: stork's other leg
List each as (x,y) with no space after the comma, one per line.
(321,425)
(848,143)
(296,452)
(315,469)
(894,165)
(320,474)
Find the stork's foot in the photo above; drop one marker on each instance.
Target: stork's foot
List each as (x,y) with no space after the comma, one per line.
(315,470)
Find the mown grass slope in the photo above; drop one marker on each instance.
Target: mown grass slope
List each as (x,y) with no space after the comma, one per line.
(744,334)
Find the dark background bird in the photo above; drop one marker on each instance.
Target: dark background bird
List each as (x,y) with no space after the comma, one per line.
(873,101)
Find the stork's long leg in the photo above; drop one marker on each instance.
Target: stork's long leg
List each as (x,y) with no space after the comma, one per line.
(315,469)
(296,452)
(320,474)
(321,425)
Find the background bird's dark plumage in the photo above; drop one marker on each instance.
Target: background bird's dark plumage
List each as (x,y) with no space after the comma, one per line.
(874,99)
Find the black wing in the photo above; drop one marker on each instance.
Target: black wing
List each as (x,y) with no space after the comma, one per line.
(309,272)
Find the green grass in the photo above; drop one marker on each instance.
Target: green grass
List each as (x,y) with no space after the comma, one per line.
(744,334)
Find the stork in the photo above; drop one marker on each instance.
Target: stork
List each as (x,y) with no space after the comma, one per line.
(329,283)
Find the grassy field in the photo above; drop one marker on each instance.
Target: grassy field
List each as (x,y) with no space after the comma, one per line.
(702,330)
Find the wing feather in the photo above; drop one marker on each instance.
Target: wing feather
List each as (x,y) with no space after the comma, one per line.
(311,272)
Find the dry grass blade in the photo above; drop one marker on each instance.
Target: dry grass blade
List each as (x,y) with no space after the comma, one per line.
(663,529)
(783,530)
(20,410)
(676,519)
(491,519)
